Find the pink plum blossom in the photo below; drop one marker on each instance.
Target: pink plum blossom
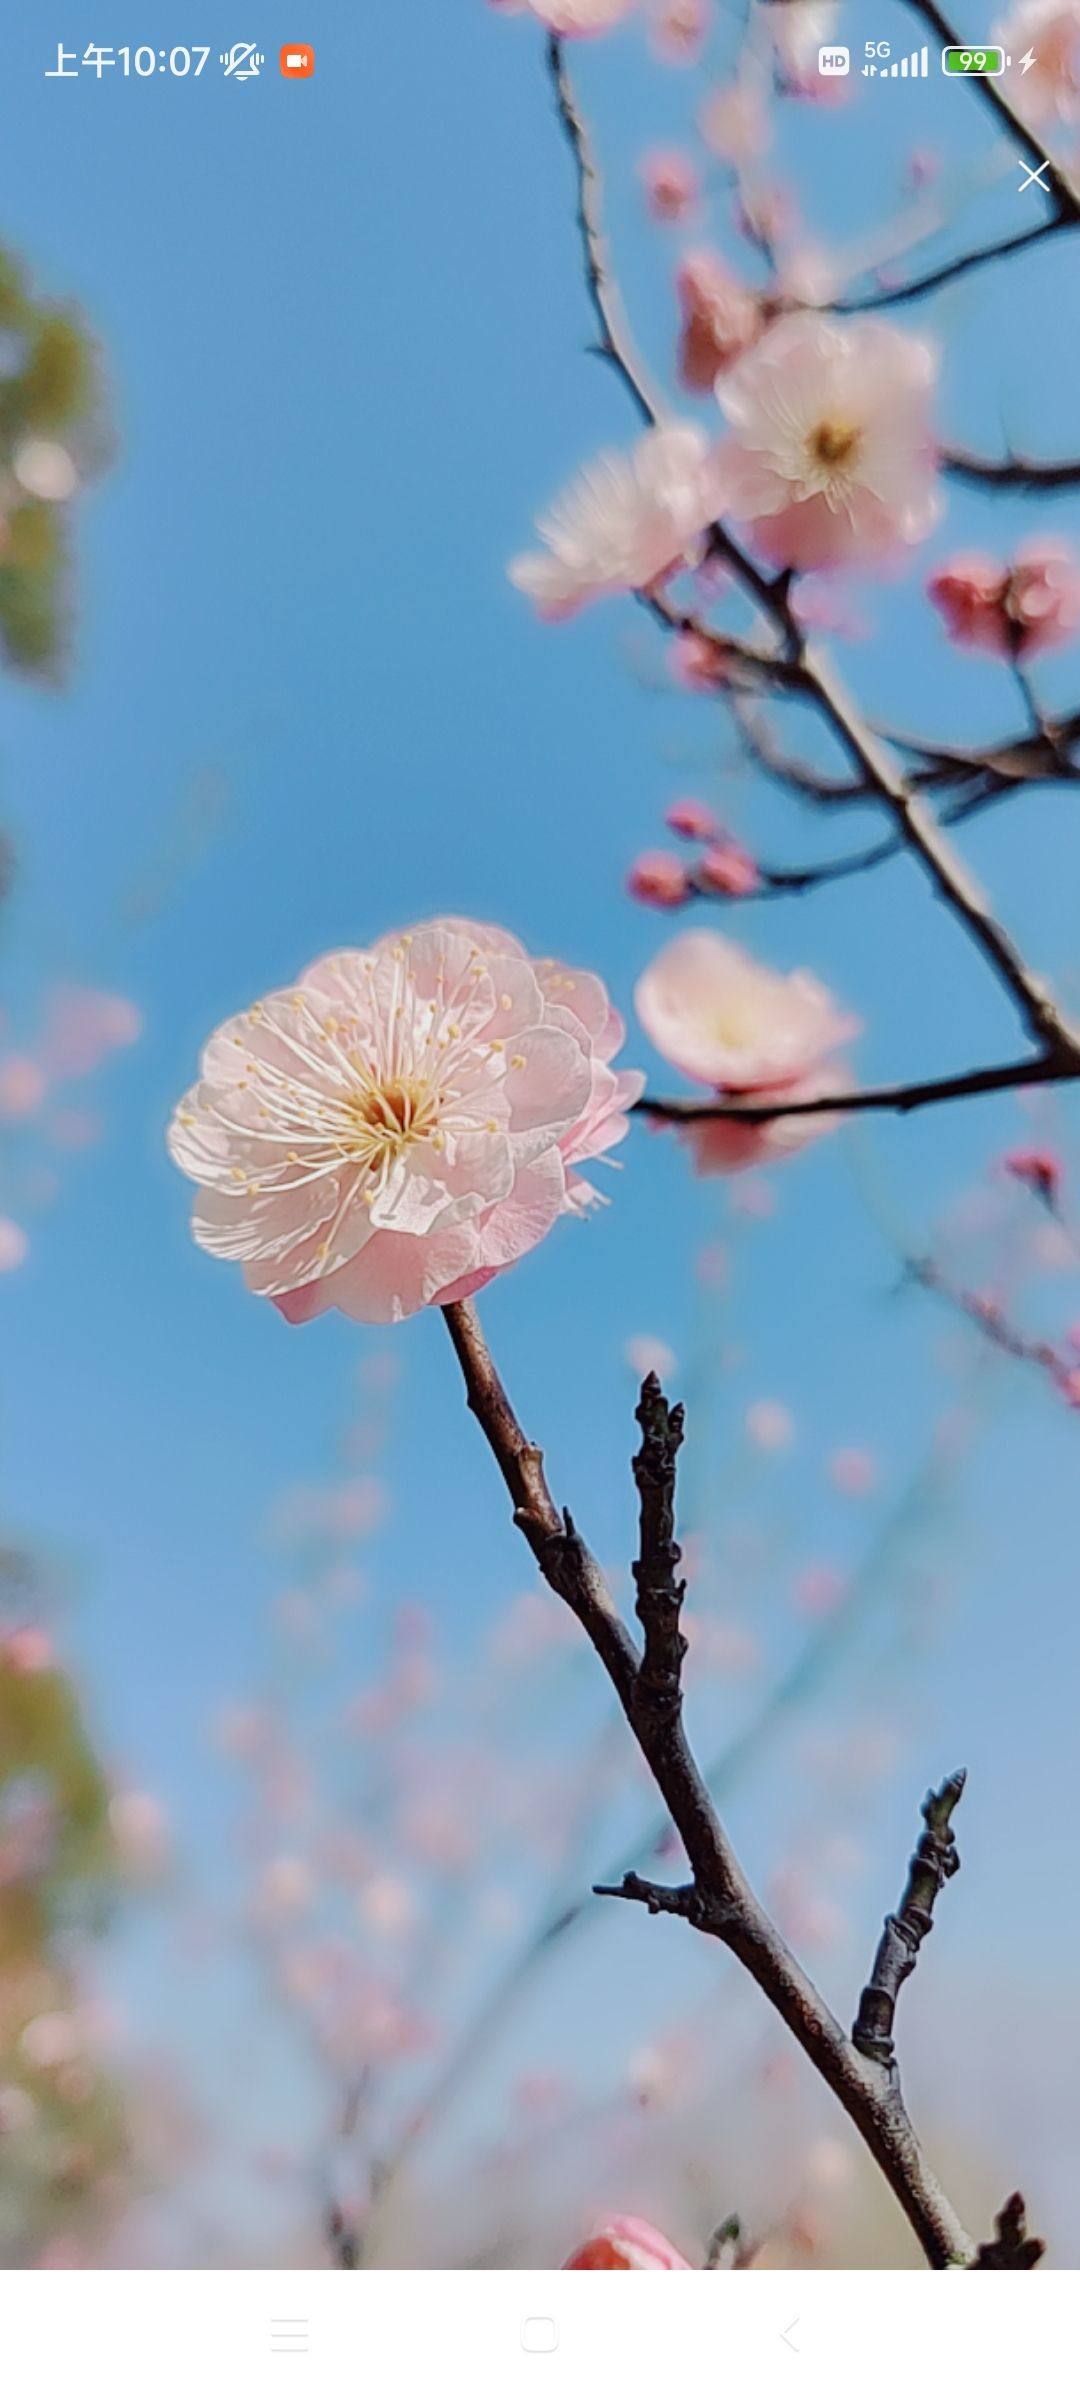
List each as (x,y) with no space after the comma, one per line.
(659,880)
(720,319)
(1013,611)
(732,1023)
(680,29)
(748,1033)
(570,16)
(1051,86)
(625,523)
(831,459)
(27,1650)
(672,185)
(403,1123)
(692,820)
(734,122)
(626,2242)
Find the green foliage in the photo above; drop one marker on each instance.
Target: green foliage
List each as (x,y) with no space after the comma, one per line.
(49,393)
(61,2122)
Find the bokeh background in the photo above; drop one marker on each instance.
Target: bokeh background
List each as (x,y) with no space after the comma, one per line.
(298,1764)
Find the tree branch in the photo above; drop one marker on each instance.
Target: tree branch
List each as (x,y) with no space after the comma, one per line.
(902,1099)
(936,1859)
(1015,472)
(723,1903)
(989,1319)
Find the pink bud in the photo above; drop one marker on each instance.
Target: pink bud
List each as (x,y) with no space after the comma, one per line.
(1040,1170)
(728,869)
(671,185)
(626,2242)
(658,880)
(692,820)
(970,591)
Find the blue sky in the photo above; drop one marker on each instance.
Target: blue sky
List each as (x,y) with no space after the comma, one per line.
(345,338)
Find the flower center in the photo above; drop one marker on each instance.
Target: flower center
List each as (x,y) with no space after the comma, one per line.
(833,444)
(387,1118)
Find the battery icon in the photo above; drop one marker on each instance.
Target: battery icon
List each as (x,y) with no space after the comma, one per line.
(297,60)
(959,59)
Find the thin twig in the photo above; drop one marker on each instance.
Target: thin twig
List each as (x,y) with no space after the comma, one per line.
(1014,472)
(989,1319)
(936,1859)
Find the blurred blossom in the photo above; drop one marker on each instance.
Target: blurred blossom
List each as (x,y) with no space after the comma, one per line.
(428,1103)
(732,1023)
(139,1827)
(627,521)
(570,16)
(659,880)
(770,1425)
(1051,87)
(28,1650)
(387,1904)
(341,1512)
(1012,611)
(82,1026)
(626,2242)
(243,1731)
(46,470)
(809,1920)
(22,1087)
(680,29)
(645,1355)
(18,2112)
(854,1472)
(286,1886)
(720,1646)
(712,1266)
(720,319)
(734,121)
(818,1590)
(831,459)
(14,1246)
(542,2094)
(751,1035)
(692,820)
(672,185)
(52,2040)
(798,29)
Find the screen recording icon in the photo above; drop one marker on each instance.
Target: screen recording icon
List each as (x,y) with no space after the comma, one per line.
(297,60)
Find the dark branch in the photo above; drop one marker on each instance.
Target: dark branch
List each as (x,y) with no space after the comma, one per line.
(1014,472)
(936,279)
(936,1859)
(660,1590)
(721,1901)
(901,1099)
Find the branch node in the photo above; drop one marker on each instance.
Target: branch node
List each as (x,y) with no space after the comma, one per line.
(1014,2246)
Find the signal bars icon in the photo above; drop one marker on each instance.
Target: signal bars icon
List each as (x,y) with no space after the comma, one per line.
(917,64)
